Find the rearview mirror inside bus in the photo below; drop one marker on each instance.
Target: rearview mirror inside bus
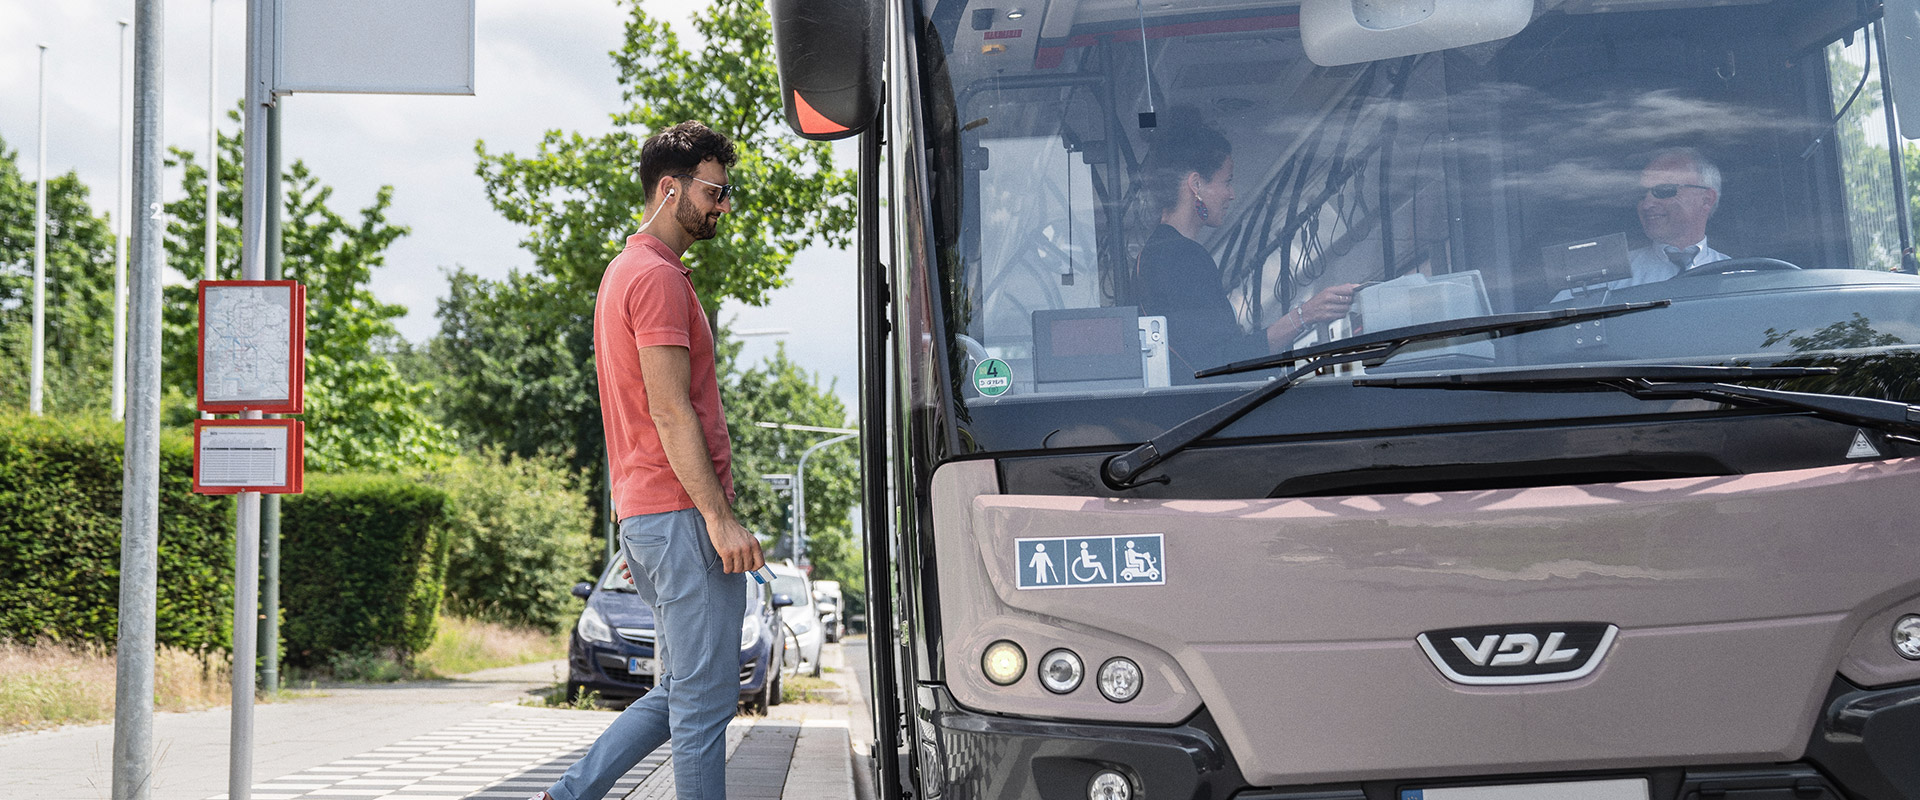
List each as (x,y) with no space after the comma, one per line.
(1338,32)
(828,54)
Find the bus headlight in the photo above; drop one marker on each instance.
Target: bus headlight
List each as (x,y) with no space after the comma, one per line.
(1906,637)
(1109,785)
(1119,679)
(1061,671)
(1004,662)
(592,628)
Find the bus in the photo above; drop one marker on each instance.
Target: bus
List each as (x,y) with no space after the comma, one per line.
(1383,399)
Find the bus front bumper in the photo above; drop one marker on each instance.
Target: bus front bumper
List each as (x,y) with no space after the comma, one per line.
(1865,745)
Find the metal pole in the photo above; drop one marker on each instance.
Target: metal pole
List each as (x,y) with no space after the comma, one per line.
(246,545)
(270,504)
(213,143)
(140,479)
(800,499)
(118,403)
(1902,215)
(37,380)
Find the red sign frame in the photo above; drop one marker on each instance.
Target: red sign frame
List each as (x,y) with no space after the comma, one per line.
(296,455)
(296,356)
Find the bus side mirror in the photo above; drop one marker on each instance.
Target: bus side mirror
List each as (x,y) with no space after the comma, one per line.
(1338,32)
(1903,61)
(828,53)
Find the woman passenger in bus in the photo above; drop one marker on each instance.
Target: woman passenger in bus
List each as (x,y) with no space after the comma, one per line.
(1189,182)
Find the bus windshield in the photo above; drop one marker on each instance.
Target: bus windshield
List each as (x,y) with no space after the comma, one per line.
(1124,194)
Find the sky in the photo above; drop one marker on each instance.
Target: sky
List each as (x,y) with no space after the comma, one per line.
(539,65)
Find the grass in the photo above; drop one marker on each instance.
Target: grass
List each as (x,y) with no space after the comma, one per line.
(805,689)
(468,645)
(49,684)
(556,697)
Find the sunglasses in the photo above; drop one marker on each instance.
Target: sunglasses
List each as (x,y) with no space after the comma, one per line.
(726,189)
(1666,191)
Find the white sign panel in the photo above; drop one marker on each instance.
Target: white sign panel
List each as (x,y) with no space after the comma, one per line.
(243,456)
(374,46)
(248,342)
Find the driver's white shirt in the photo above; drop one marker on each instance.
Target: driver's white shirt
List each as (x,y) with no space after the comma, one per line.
(1650,265)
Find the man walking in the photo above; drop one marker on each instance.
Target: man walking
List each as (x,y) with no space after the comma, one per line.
(671,460)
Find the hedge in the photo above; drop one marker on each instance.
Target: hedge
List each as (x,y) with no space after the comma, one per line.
(363,563)
(523,537)
(60,482)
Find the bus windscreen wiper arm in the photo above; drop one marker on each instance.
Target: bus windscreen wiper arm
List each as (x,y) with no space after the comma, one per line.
(1673,382)
(1120,472)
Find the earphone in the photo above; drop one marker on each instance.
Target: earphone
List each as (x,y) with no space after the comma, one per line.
(669,192)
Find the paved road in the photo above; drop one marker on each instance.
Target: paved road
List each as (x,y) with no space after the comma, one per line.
(441,740)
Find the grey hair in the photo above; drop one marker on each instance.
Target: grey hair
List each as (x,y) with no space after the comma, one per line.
(1709,172)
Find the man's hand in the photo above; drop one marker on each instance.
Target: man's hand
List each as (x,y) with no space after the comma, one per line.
(739,550)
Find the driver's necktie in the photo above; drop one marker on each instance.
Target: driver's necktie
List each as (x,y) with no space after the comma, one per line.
(1682,257)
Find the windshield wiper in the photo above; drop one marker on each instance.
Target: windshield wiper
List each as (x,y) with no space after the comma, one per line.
(1120,471)
(1898,420)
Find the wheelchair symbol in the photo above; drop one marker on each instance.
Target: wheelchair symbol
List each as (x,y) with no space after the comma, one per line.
(1091,563)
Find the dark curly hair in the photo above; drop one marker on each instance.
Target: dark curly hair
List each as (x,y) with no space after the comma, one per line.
(1184,147)
(680,150)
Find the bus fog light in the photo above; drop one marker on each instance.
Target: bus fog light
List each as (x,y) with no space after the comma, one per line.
(1119,679)
(1109,785)
(1004,662)
(1906,636)
(1061,671)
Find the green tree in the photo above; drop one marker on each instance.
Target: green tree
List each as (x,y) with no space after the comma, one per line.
(581,195)
(360,413)
(519,352)
(79,294)
(778,390)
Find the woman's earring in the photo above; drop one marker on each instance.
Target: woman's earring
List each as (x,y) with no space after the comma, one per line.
(1199,205)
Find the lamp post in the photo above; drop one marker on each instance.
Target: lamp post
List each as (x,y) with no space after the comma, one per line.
(37,380)
(800,479)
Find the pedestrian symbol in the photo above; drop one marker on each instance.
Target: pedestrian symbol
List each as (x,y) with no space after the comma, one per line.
(1079,561)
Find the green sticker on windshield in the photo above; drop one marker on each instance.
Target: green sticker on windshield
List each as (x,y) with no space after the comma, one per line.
(992,377)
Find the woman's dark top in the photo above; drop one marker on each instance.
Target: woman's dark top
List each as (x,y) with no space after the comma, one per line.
(1178,280)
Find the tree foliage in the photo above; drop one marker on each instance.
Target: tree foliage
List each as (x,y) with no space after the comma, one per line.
(79,293)
(361,414)
(581,195)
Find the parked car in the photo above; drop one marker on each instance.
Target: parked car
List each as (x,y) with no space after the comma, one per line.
(611,650)
(801,618)
(827,601)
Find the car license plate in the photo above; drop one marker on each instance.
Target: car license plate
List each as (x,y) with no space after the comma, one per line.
(1618,789)
(639,666)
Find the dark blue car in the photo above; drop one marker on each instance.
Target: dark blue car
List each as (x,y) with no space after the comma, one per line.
(611,649)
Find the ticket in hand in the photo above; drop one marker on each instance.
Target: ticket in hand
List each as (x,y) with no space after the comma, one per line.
(763,575)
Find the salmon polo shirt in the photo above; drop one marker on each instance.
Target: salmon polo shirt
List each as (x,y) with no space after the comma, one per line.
(646,300)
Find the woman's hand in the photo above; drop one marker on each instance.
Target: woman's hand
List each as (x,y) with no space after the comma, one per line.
(1327,305)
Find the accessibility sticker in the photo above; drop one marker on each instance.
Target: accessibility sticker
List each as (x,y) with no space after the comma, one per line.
(992,377)
(1078,561)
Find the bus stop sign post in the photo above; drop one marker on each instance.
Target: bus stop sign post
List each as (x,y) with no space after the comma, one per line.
(422,47)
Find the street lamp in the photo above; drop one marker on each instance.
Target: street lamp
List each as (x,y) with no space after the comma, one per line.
(800,479)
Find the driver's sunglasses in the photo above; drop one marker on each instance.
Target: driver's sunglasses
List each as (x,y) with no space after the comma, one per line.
(1666,191)
(726,189)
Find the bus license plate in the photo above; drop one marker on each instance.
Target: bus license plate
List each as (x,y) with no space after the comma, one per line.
(1619,789)
(639,666)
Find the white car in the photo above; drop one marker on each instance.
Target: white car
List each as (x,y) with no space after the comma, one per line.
(827,601)
(802,618)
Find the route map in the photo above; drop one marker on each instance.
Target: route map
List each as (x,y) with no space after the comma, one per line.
(247,341)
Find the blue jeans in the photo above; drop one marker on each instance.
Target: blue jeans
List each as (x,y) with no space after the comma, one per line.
(697,611)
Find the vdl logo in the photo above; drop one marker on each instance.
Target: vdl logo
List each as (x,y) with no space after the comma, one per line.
(1506,655)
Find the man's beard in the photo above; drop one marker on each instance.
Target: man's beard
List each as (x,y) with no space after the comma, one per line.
(701,226)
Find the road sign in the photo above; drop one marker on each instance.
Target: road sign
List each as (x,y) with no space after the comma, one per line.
(253,345)
(373,46)
(231,456)
(780,483)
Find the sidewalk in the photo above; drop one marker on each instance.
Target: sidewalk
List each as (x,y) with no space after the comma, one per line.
(444,740)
